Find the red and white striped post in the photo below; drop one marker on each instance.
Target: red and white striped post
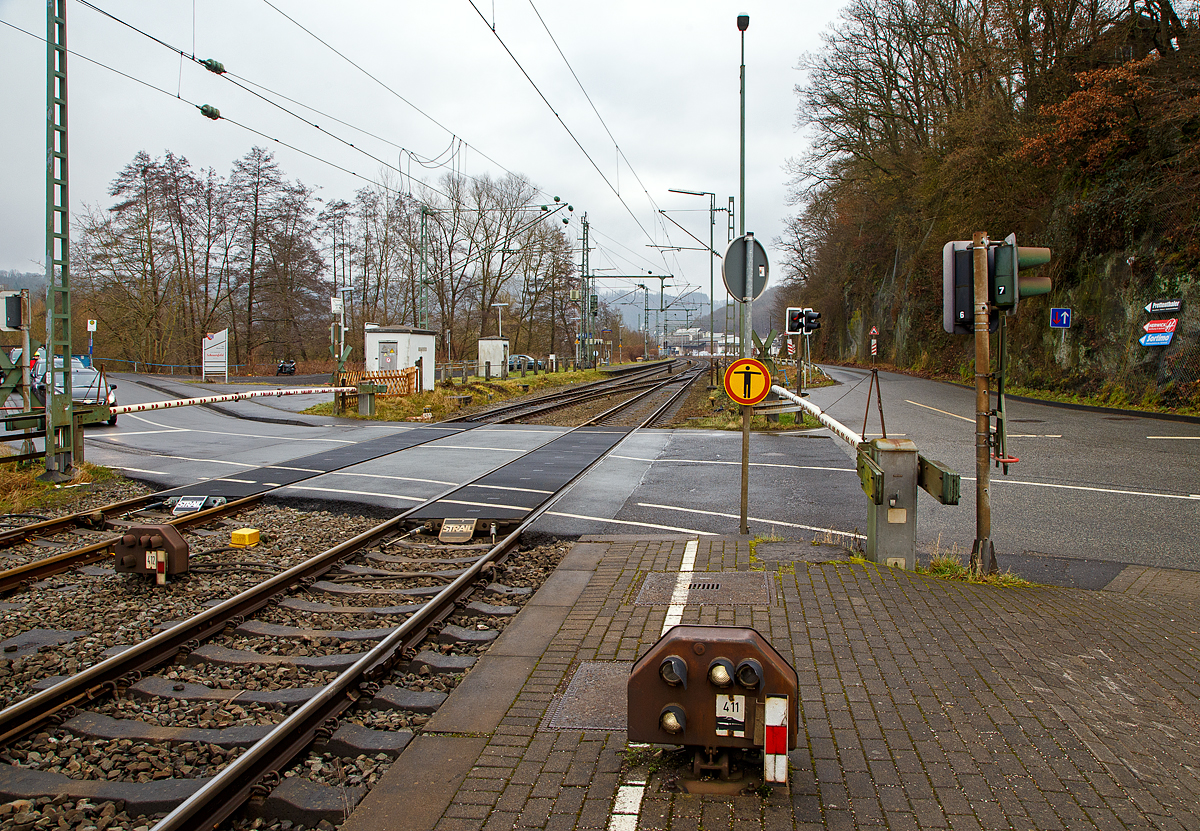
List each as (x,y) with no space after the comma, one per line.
(775,734)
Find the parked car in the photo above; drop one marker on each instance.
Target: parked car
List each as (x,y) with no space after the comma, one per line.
(515,362)
(88,386)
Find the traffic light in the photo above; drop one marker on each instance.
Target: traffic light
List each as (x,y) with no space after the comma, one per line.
(795,321)
(812,321)
(958,288)
(1006,282)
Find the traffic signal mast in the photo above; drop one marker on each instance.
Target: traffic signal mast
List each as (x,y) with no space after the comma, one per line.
(980,279)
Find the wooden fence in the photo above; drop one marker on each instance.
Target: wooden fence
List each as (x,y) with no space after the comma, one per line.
(398,381)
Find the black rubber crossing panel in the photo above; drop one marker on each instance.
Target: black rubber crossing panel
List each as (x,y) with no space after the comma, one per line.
(258,480)
(510,493)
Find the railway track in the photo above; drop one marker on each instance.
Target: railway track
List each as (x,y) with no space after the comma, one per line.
(384,613)
(103,526)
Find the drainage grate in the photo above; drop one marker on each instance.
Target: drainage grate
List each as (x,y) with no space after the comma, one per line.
(709,588)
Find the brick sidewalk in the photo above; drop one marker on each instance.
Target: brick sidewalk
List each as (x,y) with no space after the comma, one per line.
(925,703)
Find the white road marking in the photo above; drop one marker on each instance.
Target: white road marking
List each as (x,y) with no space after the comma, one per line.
(1035,435)
(503,488)
(1188,497)
(634,524)
(141,470)
(738,463)
(355,493)
(383,476)
(936,410)
(626,807)
(679,595)
(754,519)
(440,446)
(1180,438)
(169,428)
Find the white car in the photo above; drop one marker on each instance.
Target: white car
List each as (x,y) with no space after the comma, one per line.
(88,386)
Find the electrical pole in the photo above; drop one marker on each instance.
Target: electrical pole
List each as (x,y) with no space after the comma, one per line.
(585,334)
(983,553)
(60,427)
(423,311)
(743,23)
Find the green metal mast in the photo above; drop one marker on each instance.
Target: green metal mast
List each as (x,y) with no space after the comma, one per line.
(423,311)
(589,298)
(60,429)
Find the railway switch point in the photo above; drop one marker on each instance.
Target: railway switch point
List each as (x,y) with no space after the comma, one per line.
(742,699)
(151,549)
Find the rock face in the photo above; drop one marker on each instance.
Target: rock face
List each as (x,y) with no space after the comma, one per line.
(1099,355)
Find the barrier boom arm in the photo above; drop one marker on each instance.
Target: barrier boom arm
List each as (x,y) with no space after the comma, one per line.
(213,399)
(836,427)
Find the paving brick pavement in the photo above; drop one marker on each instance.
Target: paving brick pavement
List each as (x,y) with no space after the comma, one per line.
(925,704)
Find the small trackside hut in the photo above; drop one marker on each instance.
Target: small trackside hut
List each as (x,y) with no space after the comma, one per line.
(399,347)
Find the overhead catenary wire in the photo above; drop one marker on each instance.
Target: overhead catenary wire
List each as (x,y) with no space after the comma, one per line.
(559,118)
(616,144)
(385,86)
(539,217)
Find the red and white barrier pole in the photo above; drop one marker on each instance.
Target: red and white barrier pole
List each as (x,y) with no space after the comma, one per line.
(213,399)
(775,750)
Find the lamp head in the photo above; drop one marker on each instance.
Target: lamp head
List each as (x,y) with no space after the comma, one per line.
(743,22)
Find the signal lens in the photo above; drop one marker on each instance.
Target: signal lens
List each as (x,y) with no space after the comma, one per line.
(749,674)
(672,720)
(673,671)
(720,673)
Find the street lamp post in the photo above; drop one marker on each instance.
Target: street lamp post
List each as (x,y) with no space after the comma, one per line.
(499,317)
(743,23)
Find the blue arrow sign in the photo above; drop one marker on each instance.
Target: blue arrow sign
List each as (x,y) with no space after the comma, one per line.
(1156,339)
(1060,318)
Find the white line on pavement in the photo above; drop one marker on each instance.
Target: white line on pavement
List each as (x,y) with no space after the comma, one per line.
(1188,497)
(738,463)
(754,519)
(633,524)
(679,595)
(936,410)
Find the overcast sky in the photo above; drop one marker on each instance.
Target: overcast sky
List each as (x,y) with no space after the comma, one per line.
(663,75)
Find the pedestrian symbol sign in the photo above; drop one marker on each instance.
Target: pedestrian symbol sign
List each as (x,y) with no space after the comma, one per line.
(747,381)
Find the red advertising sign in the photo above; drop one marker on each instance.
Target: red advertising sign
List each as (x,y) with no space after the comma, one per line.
(1161,325)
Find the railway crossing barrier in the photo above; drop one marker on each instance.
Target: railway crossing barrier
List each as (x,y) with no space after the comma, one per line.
(890,471)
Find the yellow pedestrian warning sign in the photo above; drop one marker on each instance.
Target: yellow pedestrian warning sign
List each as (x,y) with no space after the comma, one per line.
(747,381)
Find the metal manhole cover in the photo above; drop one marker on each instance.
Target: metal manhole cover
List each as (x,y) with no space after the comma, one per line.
(595,698)
(716,588)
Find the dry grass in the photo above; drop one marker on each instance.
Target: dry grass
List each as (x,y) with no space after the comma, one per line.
(440,404)
(950,566)
(21,491)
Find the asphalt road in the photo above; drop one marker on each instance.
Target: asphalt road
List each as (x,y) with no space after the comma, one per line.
(1096,485)
(1091,488)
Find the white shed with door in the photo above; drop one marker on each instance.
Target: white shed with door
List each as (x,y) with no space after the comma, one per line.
(399,347)
(493,351)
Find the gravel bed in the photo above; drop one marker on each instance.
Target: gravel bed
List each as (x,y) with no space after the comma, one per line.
(117,609)
(132,607)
